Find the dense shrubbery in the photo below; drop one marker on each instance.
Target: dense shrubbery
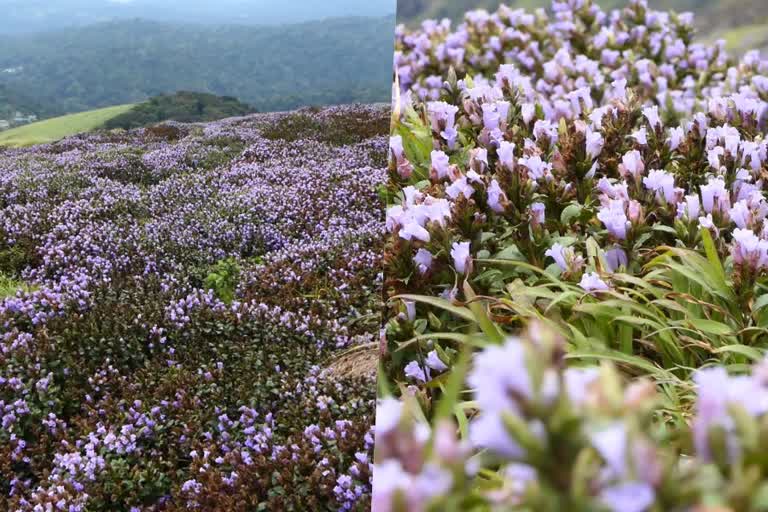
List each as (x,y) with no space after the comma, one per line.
(186,107)
(182,294)
(594,181)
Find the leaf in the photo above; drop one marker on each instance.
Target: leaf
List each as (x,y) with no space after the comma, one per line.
(510,252)
(711,252)
(711,327)
(485,323)
(459,311)
(750,352)
(569,212)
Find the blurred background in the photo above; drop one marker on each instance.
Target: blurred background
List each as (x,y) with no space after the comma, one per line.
(743,24)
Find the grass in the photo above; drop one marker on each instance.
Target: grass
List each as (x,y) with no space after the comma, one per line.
(9,287)
(51,130)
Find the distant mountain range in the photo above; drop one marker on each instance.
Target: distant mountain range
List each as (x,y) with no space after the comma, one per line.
(271,68)
(24,16)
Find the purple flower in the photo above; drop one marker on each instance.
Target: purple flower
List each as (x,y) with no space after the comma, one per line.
(652,115)
(506,153)
(689,208)
(632,164)
(663,184)
(439,164)
(557,252)
(496,197)
(434,362)
(423,260)
(616,258)
(614,218)
(462,261)
(676,136)
(628,497)
(591,282)
(714,196)
(538,214)
(594,143)
(414,371)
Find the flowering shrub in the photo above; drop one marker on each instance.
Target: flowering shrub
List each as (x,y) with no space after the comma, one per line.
(173,302)
(599,174)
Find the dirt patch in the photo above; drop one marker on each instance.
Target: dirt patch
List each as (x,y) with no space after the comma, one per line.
(363,362)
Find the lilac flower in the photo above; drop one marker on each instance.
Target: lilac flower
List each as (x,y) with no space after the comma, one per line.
(616,258)
(434,362)
(565,257)
(460,187)
(556,252)
(439,164)
(496,197)
(415,372)
(614,218)
(628,497)
(689,208)
(676,136)
(537,214)
(423,260)
(462,260)
(506,152)
(714,196)
(652,115)
(632,164)
(591,282)
(595,143)
(641,136)
(663,184)
(748,249)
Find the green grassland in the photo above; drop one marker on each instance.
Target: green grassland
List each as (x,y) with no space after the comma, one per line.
(57,128)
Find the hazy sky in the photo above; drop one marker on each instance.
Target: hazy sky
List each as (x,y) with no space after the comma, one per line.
(20,16)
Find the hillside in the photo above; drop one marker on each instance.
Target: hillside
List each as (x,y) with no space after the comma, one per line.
(270,68)
(185,340)
(57,128)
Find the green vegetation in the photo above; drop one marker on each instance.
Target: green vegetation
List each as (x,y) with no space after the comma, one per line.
(187,107)
(9,287)
(271,68)
(59,127)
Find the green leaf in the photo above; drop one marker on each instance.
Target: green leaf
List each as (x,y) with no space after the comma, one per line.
(750,352)
(569,212)
(459,311)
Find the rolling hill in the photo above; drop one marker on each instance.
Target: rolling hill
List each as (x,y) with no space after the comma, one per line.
(57,128)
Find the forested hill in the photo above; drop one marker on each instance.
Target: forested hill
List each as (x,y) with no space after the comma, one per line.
(271,68)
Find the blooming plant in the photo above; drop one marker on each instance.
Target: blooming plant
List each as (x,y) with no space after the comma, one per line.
(599,175)
(175,303)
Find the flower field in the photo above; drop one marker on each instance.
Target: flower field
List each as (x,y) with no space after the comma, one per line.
(576,267)
(187,314)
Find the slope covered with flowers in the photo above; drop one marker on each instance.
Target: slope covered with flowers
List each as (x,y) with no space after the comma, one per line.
(572,193)
(176,300)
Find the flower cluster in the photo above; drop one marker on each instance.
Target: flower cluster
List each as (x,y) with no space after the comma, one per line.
(183,293)
(602,173)
(571,438)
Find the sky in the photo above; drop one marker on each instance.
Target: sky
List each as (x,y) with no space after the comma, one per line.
(23,16)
